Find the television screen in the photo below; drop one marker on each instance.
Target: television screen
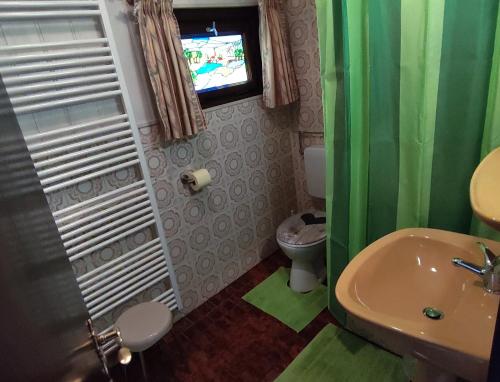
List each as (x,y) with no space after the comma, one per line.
(216,62)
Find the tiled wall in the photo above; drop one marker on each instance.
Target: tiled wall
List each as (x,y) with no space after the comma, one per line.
(308,114)
(253,156)
(216,235)
(252,153)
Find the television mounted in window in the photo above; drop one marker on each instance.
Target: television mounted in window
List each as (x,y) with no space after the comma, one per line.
(216,62)
(225,63)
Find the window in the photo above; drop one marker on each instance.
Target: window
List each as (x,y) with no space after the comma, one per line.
(224,61)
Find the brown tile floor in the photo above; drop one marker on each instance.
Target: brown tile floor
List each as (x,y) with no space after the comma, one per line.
(227,339)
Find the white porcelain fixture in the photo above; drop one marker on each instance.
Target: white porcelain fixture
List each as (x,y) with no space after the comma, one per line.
(142,325)
(305,244)
(485,190)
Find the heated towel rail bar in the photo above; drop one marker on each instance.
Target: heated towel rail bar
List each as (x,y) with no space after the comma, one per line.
(61,74)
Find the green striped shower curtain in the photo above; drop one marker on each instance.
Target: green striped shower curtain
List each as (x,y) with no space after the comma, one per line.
(411,102)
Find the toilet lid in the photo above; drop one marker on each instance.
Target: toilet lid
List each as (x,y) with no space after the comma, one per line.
(294,230)
(142,325)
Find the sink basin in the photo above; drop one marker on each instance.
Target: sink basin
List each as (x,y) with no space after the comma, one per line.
(485,190)
(387,286)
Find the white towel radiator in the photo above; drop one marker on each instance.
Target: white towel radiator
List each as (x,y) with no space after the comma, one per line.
(58,75)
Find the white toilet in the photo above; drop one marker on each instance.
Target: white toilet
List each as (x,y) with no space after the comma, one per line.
(302,237)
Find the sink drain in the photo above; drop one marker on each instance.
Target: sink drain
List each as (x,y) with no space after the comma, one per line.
(433,313)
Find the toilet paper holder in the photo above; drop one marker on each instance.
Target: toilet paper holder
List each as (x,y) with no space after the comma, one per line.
(187,177)
(196,179)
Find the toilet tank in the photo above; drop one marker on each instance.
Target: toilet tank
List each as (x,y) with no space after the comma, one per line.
(315,167)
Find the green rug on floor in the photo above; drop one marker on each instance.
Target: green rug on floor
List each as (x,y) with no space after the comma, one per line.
(335,355)
(295,310)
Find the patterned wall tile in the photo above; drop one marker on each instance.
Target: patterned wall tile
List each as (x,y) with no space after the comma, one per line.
(190,299)
(233,163)
(219,233)
(222,231)
(230,272)
(249,258)
(257,174)
(210,286)
(164,192)
(205,263)
(178,249)
(217,200)
(206,144)
(181,153)
(301,16)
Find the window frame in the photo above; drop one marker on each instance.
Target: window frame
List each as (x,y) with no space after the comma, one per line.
(241,20)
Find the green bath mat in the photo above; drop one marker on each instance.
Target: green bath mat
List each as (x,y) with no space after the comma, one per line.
(295,310)
(335,355)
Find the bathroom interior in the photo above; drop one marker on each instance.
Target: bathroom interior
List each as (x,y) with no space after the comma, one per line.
(250,190)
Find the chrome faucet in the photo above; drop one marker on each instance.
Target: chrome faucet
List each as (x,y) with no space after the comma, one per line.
(489,272)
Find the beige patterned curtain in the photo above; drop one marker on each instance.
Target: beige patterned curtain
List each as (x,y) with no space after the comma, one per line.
(280,83)
(178,104)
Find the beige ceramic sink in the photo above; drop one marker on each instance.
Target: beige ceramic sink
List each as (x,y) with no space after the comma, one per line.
(386,287)
(485,190)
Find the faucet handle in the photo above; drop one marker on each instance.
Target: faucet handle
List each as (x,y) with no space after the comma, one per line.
(489,257)
(458,262)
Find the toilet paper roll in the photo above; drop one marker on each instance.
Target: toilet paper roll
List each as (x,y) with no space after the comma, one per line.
(198,179)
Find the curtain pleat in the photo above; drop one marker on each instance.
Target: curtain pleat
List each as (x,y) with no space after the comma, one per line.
(421,41)
(466,58)
(356,72)
(331,43)
(278,75)
(384,78)
(178,105)
(411,105)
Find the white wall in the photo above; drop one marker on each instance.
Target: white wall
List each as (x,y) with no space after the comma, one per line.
(126,35)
